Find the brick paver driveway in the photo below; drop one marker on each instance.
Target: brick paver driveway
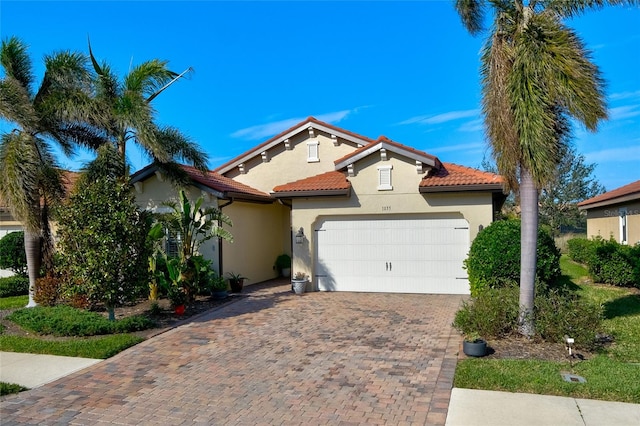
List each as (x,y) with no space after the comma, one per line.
(271,358)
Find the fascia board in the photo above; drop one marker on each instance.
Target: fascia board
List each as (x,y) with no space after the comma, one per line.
(611,201)
(461,188)
(389,147)
(260,148)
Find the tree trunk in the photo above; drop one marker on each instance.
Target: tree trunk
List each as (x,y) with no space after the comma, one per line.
(528,244)
(32,251)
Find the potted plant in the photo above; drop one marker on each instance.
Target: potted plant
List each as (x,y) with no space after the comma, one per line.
(236,281)
(299,282)
(474,345)
(283,265)
(218,286)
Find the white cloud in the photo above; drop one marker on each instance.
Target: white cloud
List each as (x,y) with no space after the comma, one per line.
(442,118)
(624,95)
(617,155)
(472,126)
(262,131)
(623,112)
(459,147)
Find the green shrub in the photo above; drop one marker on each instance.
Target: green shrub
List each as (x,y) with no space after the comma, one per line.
(614,263)
(16,285)
(68,321)
(12,255)
(133,323)
(580,250)
(559,314)
(494,257)
(494,313)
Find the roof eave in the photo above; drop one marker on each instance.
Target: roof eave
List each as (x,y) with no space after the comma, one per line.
(313,193)
(491,187)
(616,200)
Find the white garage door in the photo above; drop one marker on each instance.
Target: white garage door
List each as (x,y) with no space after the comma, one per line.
(393,255)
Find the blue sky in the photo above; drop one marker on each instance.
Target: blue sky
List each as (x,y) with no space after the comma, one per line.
(407,70)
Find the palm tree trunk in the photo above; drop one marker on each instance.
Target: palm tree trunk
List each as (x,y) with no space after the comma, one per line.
(528,244)
(32,251)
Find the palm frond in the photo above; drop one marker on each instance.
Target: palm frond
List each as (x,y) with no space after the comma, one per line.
(65,72)
(15,105)
(570,8)
(181,148)
(19,178)
(149,77)
(472,14)
(16,62)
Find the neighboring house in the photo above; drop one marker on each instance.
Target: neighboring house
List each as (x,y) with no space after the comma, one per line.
(7,222)
(356,214)
(615,214)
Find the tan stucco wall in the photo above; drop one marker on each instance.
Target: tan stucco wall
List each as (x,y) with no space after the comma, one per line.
(605,222)
(288,166)
(261,232)
(402,202)
(154,192)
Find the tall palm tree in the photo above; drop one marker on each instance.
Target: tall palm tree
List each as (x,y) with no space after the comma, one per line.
(30,180)
(536,76)
(122,110)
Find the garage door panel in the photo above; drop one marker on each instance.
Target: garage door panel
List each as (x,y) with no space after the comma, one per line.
(393,255)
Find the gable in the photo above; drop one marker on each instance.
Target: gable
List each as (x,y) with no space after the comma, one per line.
(305,150)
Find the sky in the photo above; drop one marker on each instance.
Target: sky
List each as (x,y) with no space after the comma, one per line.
(406,70)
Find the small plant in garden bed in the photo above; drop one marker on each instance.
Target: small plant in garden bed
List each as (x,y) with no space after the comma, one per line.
(9,388)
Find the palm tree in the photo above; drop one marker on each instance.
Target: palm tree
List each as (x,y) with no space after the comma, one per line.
(122,111)
(30,180)
(536,76)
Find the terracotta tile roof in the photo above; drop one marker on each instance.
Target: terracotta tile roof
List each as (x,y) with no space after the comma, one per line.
(309,120)
(69,179)
(452,176)
(388,142)
(229,188)
(630,191)
(333,182)
(222,184)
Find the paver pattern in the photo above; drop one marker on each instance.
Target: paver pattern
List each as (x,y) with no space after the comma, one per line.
(272,358)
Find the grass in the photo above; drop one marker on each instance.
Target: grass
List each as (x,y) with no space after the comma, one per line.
(613,374)
(94,347)
(13,302)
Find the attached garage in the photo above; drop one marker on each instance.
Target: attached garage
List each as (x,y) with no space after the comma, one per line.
(392,254)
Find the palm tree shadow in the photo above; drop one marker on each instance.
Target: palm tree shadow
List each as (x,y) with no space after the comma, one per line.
(622,307)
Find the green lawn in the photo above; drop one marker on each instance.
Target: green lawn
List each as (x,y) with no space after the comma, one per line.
(612,375)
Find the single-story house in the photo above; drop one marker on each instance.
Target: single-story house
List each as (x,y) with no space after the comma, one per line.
(615,214)
(355,214)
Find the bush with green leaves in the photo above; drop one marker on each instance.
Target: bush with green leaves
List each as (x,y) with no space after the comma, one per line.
(103,249)
(12,254)
(494,314)
(64,320)
(608,261)
(16,285)
(494,257)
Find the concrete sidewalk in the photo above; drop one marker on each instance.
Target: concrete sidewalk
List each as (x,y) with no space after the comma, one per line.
(470,407)
(32,371)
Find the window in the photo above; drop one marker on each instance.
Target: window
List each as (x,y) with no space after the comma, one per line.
(384,178)
(172,244)
(623,226)
(312,152)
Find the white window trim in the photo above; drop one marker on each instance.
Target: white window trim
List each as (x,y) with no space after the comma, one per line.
(313,151)
(384,178)
(624,226)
